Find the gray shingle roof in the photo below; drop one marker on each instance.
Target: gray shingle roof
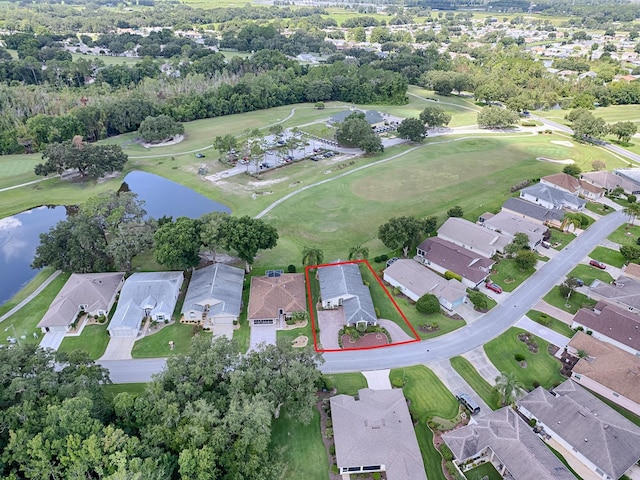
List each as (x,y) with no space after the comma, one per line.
(340,281)
(554,196)
(374,430)
(511,439)
(470,265)
(592,428)
(420,280)
(532,210)
(472,236)
(217,285)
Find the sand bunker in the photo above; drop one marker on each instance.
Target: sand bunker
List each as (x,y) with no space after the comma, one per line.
(566,161)
(564,143)
(173,141)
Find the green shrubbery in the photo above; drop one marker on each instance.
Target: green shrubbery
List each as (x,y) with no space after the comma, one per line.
(449,275)
(478,300)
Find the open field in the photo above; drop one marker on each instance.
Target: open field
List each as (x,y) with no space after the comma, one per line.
(608,256)
(611,114)
(17,169)
(576,301)
(347,383)
(550,322)
(626,235)
(540,367)
(93,340)
(588,274)
(475,380)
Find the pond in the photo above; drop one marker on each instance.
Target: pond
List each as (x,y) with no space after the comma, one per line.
(20,234)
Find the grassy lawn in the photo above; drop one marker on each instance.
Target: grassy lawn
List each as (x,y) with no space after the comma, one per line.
(625,235)
(508,275)
(116,388)
(551,323)
(576,301)
(93,340)
(242,336)
(17,169)
(588,274)
(599,208)
(301,448)
(430,456)
(490,301)
(320,130)
(486,470)
(608,256)
(475,380)
(348,383)
(27,290)
(560,237)
(157,345)
(541,367)
(24,321)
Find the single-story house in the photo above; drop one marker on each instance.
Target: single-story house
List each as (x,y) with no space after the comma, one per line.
(342,286)
(416,280)
(552,198)
(375,434)
(93,293)
(632,270)
(274,299)
(509,224)
(532,212)
(214,298)
(505,440)
(145,295)
(602,439)
(473,237)
(607,370)
(611,324)
(609,181)
(572,185)
(442,256)
(631,175)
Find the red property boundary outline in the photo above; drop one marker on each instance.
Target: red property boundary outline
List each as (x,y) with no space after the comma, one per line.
(312,309)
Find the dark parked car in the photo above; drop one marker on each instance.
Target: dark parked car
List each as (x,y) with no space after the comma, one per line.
(199,155)
(597,264)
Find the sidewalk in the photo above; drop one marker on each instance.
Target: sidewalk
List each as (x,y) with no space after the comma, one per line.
(35,293)
(555,312)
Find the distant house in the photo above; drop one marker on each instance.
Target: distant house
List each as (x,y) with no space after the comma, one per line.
(416,280)
(375,434)
(607,370)
(442,255)
(505,440)
(509,224)
(631,175)
(572,185)
(145,295)
(373,117)
(342,286)
(532,212)
(93,293)
(611,324)
(602,439)
(552,198)
(473,237)
(214,298)
(273,299)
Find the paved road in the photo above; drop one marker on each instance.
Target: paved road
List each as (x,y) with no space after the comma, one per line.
(133,371)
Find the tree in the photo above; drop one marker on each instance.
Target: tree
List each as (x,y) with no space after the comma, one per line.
(88,159)
(585,126)
(411,129)
(496,117)
(633,210)
(439,81)
(428,304)
(520,242)
(435,116)
(276,129)
(371,144)
(355,131)
(526,259)
(571,220)
(567,287)
(630,253)
(312,256)
(225,143)
(401,232)
(358,252)
(160,128)
(508,388)
(177,244)
(455,211)
(623,131)
(129,240)
(572,170)
(246,236)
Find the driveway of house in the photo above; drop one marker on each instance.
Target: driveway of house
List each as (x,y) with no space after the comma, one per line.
(330,323)
(467,312)
(482,364)
(543,332)
(119,348)
(397,333)
(52,340)
(456,384)
(262,334)
(378,379)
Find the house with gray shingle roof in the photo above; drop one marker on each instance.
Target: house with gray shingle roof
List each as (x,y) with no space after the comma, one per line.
(531,211)
(602,439)
(505,440)
(375,434)
(274,299)
(214,298)
(145,295)
(552,198)
(473,237)
(93,293)
(342,286)
(509,224)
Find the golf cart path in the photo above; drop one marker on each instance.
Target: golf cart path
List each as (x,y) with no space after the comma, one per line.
(35,293)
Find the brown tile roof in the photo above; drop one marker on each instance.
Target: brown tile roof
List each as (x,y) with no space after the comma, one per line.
(613,322)
(470,265)
(590,187)
(269,294)
(632,270)
(608,365)
(564,181)
(608,180)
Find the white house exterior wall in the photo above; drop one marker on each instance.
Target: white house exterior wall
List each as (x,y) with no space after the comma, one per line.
(615,397)
(604,338)
(537,201)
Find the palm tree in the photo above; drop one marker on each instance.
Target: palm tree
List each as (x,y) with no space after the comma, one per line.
(312,256)
(633,210)
(358,252)
(508,387)
(571,220)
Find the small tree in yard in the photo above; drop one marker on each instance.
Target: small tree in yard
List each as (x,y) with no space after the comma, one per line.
(572,170)
(428,304)
(568,287)
(455,211)
(526,259)
(520,242)
(478,300)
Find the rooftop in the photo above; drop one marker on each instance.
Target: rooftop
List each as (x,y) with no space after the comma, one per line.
(563,181)
(345,281)
(421,280)
(468,264)
(218,286)
(558,198)
(612,321)
(472,236)
(269,294)
(609,180)
(532,210)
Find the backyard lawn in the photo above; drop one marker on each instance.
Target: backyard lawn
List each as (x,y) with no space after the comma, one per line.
(588,274)
(475,380)
(157,344)
(550,322)
(301,448)
(508,275)
(347,383)
(485,471)
(576,301)
(93,340)
(625,235)
(540,367)
(608,256)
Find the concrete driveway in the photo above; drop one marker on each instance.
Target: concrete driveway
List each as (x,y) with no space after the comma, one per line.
(378,379)
(397,334)
(52,340)
(456,384)
(262,334)
(119,348)
(482,364)
(330,323)
(543,332)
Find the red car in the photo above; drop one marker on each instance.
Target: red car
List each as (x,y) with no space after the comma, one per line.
(597,264)
(494,287)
